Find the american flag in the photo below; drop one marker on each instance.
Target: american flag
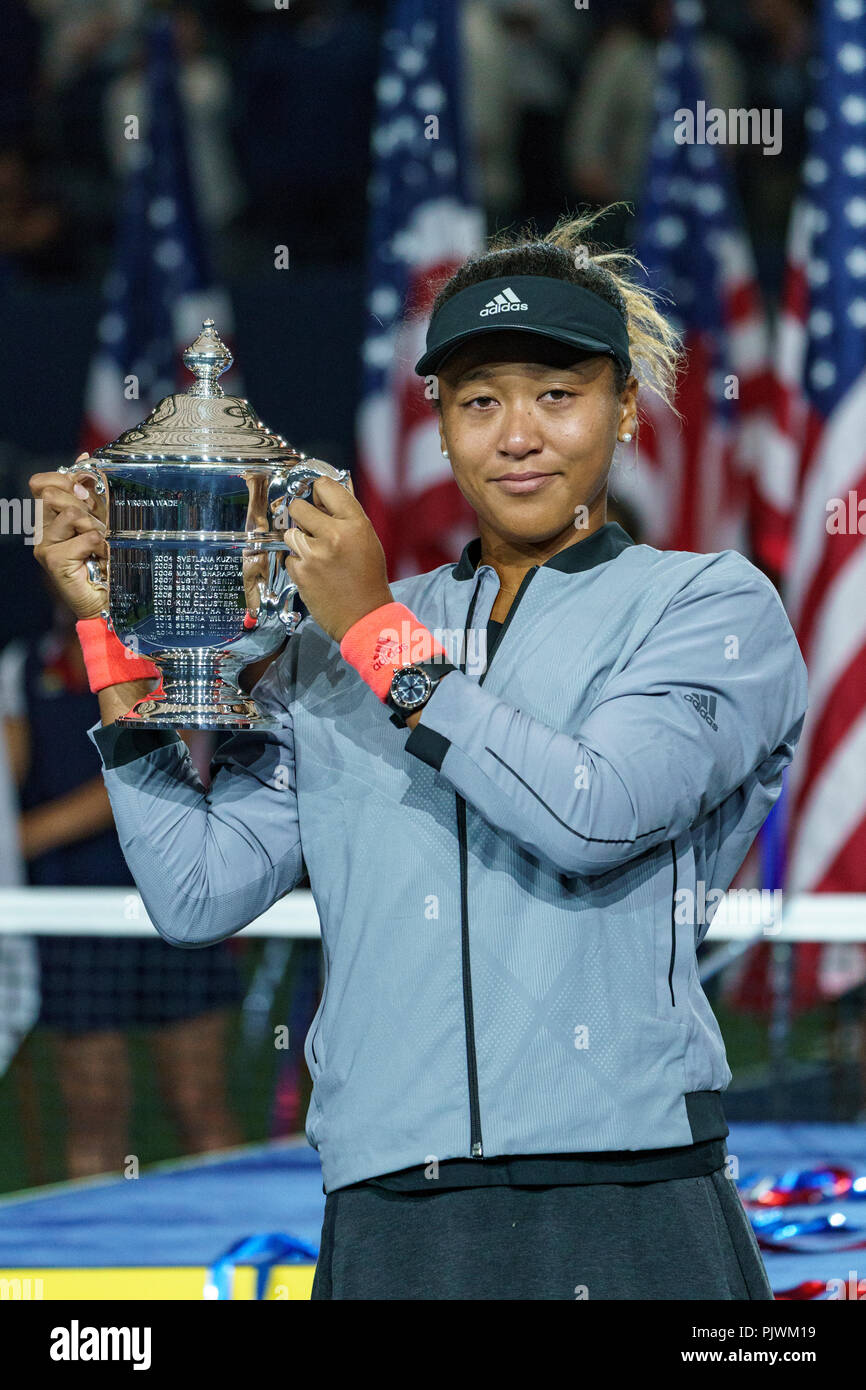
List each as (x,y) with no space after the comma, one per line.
(160,286)
(822,386)
(424,221)
(690,484)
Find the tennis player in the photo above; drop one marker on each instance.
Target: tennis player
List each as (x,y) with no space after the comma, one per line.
(514,782)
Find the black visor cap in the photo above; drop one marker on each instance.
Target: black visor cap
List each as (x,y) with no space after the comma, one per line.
(538,305)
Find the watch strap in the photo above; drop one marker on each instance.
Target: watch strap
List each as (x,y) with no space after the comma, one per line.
(435,670)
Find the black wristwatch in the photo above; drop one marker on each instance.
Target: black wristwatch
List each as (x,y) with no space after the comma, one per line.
(412,686)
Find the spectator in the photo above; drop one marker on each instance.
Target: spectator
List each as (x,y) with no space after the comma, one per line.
(19,966)
(205,87)
(306,90)
(85,43)
(21,39)
(492,111)
(35,237)
(610,123)
(776,58)
(544,48)
(93,989)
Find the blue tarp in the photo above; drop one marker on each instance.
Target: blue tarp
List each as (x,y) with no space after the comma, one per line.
(191,1213)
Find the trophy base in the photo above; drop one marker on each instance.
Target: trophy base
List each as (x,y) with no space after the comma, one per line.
(193,696)
(238,715)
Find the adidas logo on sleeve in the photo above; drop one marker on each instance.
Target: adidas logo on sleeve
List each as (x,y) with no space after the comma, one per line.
(504,303)
(705,706)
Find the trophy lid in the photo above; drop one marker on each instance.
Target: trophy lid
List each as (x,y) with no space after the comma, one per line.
(202,424)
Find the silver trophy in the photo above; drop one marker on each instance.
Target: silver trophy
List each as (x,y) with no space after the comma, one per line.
(195,500)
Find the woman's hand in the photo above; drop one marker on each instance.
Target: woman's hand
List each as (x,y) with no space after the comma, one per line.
(71,534)
(338,562)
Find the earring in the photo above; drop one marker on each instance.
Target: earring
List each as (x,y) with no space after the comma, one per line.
(626,439)
(445,453)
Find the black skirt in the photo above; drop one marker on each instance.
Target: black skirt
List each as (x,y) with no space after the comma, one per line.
(686,1238)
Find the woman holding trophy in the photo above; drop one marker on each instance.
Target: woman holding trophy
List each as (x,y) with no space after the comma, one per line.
(517,1077)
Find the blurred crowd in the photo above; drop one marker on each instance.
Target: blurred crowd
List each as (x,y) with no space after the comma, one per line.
(89,995)
(280,100)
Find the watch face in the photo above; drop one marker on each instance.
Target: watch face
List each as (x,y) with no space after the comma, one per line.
(410,687)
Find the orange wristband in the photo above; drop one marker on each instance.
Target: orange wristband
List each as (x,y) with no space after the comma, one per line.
(389,637)
(107,660)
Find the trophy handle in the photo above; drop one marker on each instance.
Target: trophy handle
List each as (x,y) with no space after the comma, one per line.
(299,482)
(277,591)
(86,470)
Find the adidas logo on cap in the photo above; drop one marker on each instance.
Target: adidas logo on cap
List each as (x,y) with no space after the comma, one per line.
(705,706)
(504,303)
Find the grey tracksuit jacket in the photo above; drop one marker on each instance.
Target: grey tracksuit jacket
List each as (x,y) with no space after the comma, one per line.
(511,893)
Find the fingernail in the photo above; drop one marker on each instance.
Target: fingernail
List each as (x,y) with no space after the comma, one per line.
(80,491)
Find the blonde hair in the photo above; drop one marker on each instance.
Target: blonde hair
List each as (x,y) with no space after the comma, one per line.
(655,346)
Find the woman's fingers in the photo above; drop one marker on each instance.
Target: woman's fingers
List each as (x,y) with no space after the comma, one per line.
(70,536)
(55,499)
(62,557)
(80,547)
(70,521)
(55,492)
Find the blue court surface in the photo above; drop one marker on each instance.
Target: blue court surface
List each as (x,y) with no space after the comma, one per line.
(155,1236)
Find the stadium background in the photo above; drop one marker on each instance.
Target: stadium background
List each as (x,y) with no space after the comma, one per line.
(283,117)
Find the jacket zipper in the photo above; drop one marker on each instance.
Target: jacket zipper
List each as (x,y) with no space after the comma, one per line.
(673,927)
(476,1145)
(321,1008)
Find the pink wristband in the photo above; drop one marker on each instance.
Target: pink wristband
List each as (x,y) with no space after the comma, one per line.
(107,660)
(389,637)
